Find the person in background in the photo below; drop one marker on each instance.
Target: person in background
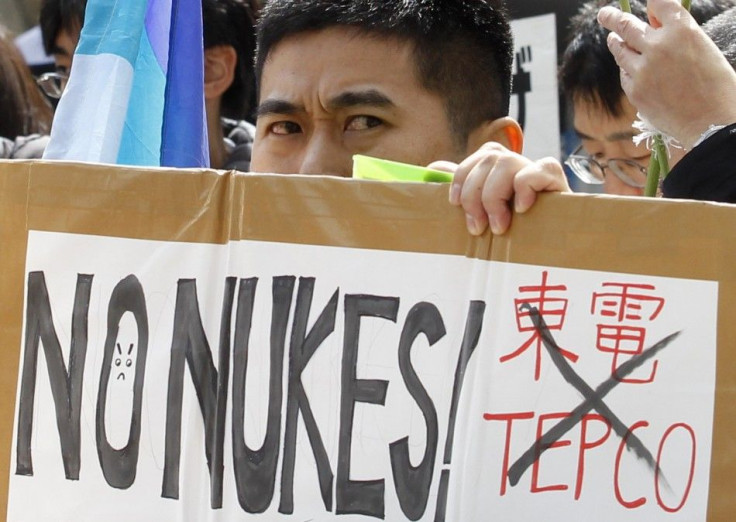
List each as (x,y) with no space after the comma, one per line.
(61,23)
(25,112)
(603,115)
(229,42)
(229,80)
(657,61)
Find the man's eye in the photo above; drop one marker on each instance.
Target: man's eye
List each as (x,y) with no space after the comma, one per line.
(598,156)
(358,123)
(284,128)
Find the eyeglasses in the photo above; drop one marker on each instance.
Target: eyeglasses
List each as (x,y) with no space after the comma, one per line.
(591,171)
(53,83)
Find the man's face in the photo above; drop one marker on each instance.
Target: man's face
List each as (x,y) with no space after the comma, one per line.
(329,94)
(605,137)
(63,52)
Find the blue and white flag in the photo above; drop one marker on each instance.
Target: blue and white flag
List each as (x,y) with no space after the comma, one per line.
(136,91)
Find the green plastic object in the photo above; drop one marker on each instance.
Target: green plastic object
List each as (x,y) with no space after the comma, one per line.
(366,167)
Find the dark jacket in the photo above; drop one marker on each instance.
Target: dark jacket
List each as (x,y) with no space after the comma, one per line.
(708,172)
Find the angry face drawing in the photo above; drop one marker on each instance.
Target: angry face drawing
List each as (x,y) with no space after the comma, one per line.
(123,361)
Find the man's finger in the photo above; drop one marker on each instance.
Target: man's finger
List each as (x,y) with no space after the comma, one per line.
(632,30)
(498,192)
(545,175)
(626,58)
(463,170)
(471,196)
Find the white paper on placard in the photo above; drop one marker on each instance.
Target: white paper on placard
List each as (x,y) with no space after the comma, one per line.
(535,99)
(657,466)
(351,418)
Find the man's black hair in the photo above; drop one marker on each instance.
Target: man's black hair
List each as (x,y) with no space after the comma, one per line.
(589,72)
(58,15)
(722,30)
(225,22)
(463,49)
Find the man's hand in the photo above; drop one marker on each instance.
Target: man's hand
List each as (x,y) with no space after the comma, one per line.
(493,179)
(671,71)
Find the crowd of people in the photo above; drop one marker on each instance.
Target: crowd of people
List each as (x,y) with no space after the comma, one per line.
(300,86)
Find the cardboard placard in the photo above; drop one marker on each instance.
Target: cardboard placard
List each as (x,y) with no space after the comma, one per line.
(206,345)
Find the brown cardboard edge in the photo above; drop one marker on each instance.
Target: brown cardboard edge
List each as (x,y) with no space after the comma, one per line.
(13,255)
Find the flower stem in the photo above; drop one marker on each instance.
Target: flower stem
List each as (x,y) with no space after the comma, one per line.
(686,4)
(658,166)
(626,5)
(662,156)
(650,190)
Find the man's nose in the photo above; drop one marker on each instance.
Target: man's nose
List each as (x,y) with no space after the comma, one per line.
(326,155)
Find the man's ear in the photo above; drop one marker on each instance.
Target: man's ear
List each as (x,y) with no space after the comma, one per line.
(220,62)
(505,131)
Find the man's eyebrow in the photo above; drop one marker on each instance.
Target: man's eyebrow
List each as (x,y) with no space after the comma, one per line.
(350,99)
(582,135)
(343,100)
(616,136)
(276,106)
(620,136)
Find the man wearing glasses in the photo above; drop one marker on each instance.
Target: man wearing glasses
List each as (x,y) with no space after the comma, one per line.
(61,23)
(610,158)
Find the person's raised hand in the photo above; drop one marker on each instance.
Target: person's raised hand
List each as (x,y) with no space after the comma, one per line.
(493,180)
(671,71)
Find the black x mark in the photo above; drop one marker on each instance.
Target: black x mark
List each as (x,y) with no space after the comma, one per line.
(593,401)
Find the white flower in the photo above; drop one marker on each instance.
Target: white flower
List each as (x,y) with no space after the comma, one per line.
(647,132)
